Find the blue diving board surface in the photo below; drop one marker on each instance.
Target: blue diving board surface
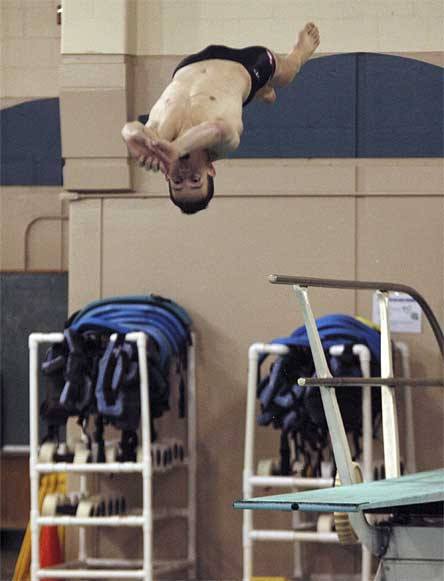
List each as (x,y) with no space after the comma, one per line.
(412,489)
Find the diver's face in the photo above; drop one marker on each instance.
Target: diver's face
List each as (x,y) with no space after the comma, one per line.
(189,176)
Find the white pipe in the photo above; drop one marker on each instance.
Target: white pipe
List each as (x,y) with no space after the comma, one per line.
(47,337)
(364,355)
(254,351)
(15,450)
(409,418)
(291,482)
(92,521)
(192,454)
(275,535)
(389,414)
(82,531)
(90,574)
(33,444)
(298,525)
(147,472)
(247,519)
(45,468)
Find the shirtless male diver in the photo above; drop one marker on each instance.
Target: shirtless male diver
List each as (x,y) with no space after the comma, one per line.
(198,117)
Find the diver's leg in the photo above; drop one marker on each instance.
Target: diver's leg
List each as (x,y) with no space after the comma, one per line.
(266,94)
(288,66)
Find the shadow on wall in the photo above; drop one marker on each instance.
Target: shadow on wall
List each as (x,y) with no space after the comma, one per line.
(351,105)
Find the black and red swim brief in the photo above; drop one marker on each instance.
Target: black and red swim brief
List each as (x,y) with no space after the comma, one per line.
(257,60)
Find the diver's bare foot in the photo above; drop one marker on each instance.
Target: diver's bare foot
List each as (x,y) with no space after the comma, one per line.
(308,41)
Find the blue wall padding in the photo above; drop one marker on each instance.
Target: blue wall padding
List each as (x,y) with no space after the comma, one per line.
(313,117)
(31,153)
(353,105)
(400,107)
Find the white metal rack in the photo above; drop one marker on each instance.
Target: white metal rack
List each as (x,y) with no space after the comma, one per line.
(93,568)
(251,480)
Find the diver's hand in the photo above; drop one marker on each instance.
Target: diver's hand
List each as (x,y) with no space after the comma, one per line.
(139,140)
(151,163)
(165,152)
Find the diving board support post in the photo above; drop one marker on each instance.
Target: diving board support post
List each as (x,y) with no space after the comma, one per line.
(369,536)
(389,412)
(330,403)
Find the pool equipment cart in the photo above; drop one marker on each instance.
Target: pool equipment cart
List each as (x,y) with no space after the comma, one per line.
(409,544)
(106,568)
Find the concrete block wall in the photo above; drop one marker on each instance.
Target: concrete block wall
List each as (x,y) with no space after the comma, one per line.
(94,100)
(164,27)
(182,26)
(30,40)
(99,26)
(94,107)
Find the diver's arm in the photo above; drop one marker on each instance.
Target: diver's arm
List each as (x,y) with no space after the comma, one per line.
(138,138)
(215,137)
(211,135)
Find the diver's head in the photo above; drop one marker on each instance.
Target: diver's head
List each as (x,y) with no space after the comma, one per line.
(191,183)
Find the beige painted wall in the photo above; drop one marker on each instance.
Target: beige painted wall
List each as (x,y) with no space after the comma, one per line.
(336,220)
(33,229)
(364,219)
(315,217)
(163,27)
(30,42)
(33,221)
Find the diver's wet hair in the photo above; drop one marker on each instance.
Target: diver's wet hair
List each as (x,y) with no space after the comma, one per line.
(194,206)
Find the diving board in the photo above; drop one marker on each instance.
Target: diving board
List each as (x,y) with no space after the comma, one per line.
(412,489)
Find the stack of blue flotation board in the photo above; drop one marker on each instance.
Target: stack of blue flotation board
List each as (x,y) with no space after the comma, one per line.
(298,411)
(90,374)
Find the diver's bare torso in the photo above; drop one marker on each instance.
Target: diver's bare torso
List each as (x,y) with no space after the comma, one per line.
(198,117)
(207,91)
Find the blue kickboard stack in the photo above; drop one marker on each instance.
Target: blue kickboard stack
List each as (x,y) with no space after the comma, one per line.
(297,411)
(88,374)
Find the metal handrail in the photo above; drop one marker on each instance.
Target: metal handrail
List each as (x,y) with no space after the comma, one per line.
(367,285)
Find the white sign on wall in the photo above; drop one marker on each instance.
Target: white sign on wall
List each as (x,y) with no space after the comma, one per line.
(404,313)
